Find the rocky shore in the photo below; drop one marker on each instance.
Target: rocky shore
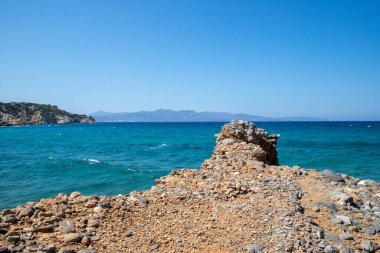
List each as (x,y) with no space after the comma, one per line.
(20,114)
(240,200)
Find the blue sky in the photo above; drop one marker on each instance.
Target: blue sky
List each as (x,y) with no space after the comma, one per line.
(269,58)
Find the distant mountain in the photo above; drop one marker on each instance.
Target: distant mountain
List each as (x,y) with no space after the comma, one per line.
(162,115)
(16,114)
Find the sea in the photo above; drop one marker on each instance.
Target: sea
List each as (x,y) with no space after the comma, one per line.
(117,158)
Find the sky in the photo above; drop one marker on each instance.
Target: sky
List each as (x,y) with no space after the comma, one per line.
(268,58)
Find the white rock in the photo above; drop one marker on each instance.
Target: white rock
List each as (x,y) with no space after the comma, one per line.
(98,209)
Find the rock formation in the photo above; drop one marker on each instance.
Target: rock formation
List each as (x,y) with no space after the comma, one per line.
(18,114)
(239,201)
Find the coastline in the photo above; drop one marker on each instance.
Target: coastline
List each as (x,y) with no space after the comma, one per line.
(240,201)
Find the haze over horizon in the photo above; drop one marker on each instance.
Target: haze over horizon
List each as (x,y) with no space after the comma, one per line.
(268,58)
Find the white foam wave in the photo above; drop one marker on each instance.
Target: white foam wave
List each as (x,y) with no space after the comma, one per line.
(91,161)
(163,145)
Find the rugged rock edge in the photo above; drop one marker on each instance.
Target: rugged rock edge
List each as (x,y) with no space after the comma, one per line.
(240,201)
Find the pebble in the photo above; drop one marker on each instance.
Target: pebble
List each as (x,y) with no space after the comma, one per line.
(74,195)
(373,230)
(46,229)
(26,212)
(13,238)
(345,219)
(72,237)
(66,250)
(254,248)
(86,241)
(337,221)
(93,223)
(345,236)
(66,227)
(98,209)
(331,175)
(367,245)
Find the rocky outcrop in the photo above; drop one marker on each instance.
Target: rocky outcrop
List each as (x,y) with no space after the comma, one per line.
(18,114)
(237,202)
(245,136)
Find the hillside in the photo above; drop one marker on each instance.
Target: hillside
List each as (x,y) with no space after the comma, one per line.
(162,115)
(18,114)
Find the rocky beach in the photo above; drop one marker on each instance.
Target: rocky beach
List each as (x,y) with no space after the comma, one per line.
(240,200)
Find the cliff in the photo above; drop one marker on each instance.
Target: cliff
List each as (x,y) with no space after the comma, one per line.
(239,201)
(16,114)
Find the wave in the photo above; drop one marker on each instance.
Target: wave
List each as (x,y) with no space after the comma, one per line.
(163,145)
(91,161)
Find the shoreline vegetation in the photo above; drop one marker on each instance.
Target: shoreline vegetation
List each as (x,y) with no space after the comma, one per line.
(22,114)
(240,200)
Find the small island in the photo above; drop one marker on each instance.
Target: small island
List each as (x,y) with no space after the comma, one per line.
(21,114)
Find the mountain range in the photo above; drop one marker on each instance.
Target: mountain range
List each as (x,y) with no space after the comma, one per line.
(163,115)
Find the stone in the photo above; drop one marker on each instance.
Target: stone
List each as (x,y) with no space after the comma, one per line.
(26,212)
(86,241)
(228,141)
(98,209)
(328,205)
(72,237)
(10,218)
(346,220)
(330,249)
(6,212)
(254,248)
(4,250)
(141,201)
(367,245)
(342,197)
(30,242)
(93,223)
(74,195)
(345,249)
(337,221)
(154,246)
(345,236)
(373,230)
(16,249)
(88,251)
(332,176)
(13,238)
(129,233)
(66,227)
(367,182)
(49,249)
(253,164)
(46,229)
(66,250)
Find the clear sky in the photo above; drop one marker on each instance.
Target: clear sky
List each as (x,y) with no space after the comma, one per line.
(268,58)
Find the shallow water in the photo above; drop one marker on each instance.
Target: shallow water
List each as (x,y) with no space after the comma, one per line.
(113,158)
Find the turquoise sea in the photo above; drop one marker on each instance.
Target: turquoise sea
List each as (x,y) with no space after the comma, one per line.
(114,158)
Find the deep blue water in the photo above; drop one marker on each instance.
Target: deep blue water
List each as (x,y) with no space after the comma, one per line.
(113,158)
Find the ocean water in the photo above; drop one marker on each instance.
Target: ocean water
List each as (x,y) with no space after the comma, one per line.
(117,158)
